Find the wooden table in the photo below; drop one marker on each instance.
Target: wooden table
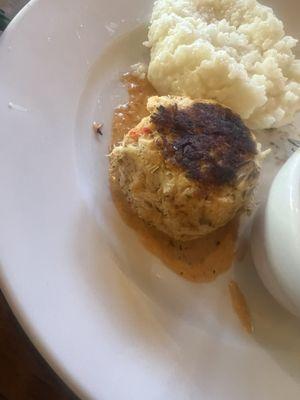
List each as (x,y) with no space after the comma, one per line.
(24,375)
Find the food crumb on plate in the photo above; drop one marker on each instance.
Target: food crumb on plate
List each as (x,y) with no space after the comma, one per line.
(97,127)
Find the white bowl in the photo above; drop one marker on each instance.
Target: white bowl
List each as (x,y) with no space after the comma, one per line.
(275,238)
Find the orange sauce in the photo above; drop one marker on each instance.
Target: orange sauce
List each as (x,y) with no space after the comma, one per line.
(126,116)
(200,260)
(240,306)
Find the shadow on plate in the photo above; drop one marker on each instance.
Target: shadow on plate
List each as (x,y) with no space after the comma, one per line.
(276,330)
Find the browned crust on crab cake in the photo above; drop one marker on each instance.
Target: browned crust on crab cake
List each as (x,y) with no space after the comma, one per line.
(208,141)
(187,168)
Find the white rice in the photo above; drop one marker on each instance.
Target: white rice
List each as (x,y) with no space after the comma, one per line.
(233,51)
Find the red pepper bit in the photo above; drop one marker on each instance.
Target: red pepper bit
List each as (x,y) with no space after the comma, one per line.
(136,134)
(146,130)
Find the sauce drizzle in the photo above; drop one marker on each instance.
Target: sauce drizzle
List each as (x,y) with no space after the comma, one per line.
(240,306)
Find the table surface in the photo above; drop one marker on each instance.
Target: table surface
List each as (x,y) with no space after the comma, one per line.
(24,375)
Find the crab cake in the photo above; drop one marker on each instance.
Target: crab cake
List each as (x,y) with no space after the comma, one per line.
(188,167)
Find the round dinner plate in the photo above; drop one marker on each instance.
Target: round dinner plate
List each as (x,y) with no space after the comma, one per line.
(108,316)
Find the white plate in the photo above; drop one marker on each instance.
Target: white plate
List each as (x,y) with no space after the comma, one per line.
(108,316)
